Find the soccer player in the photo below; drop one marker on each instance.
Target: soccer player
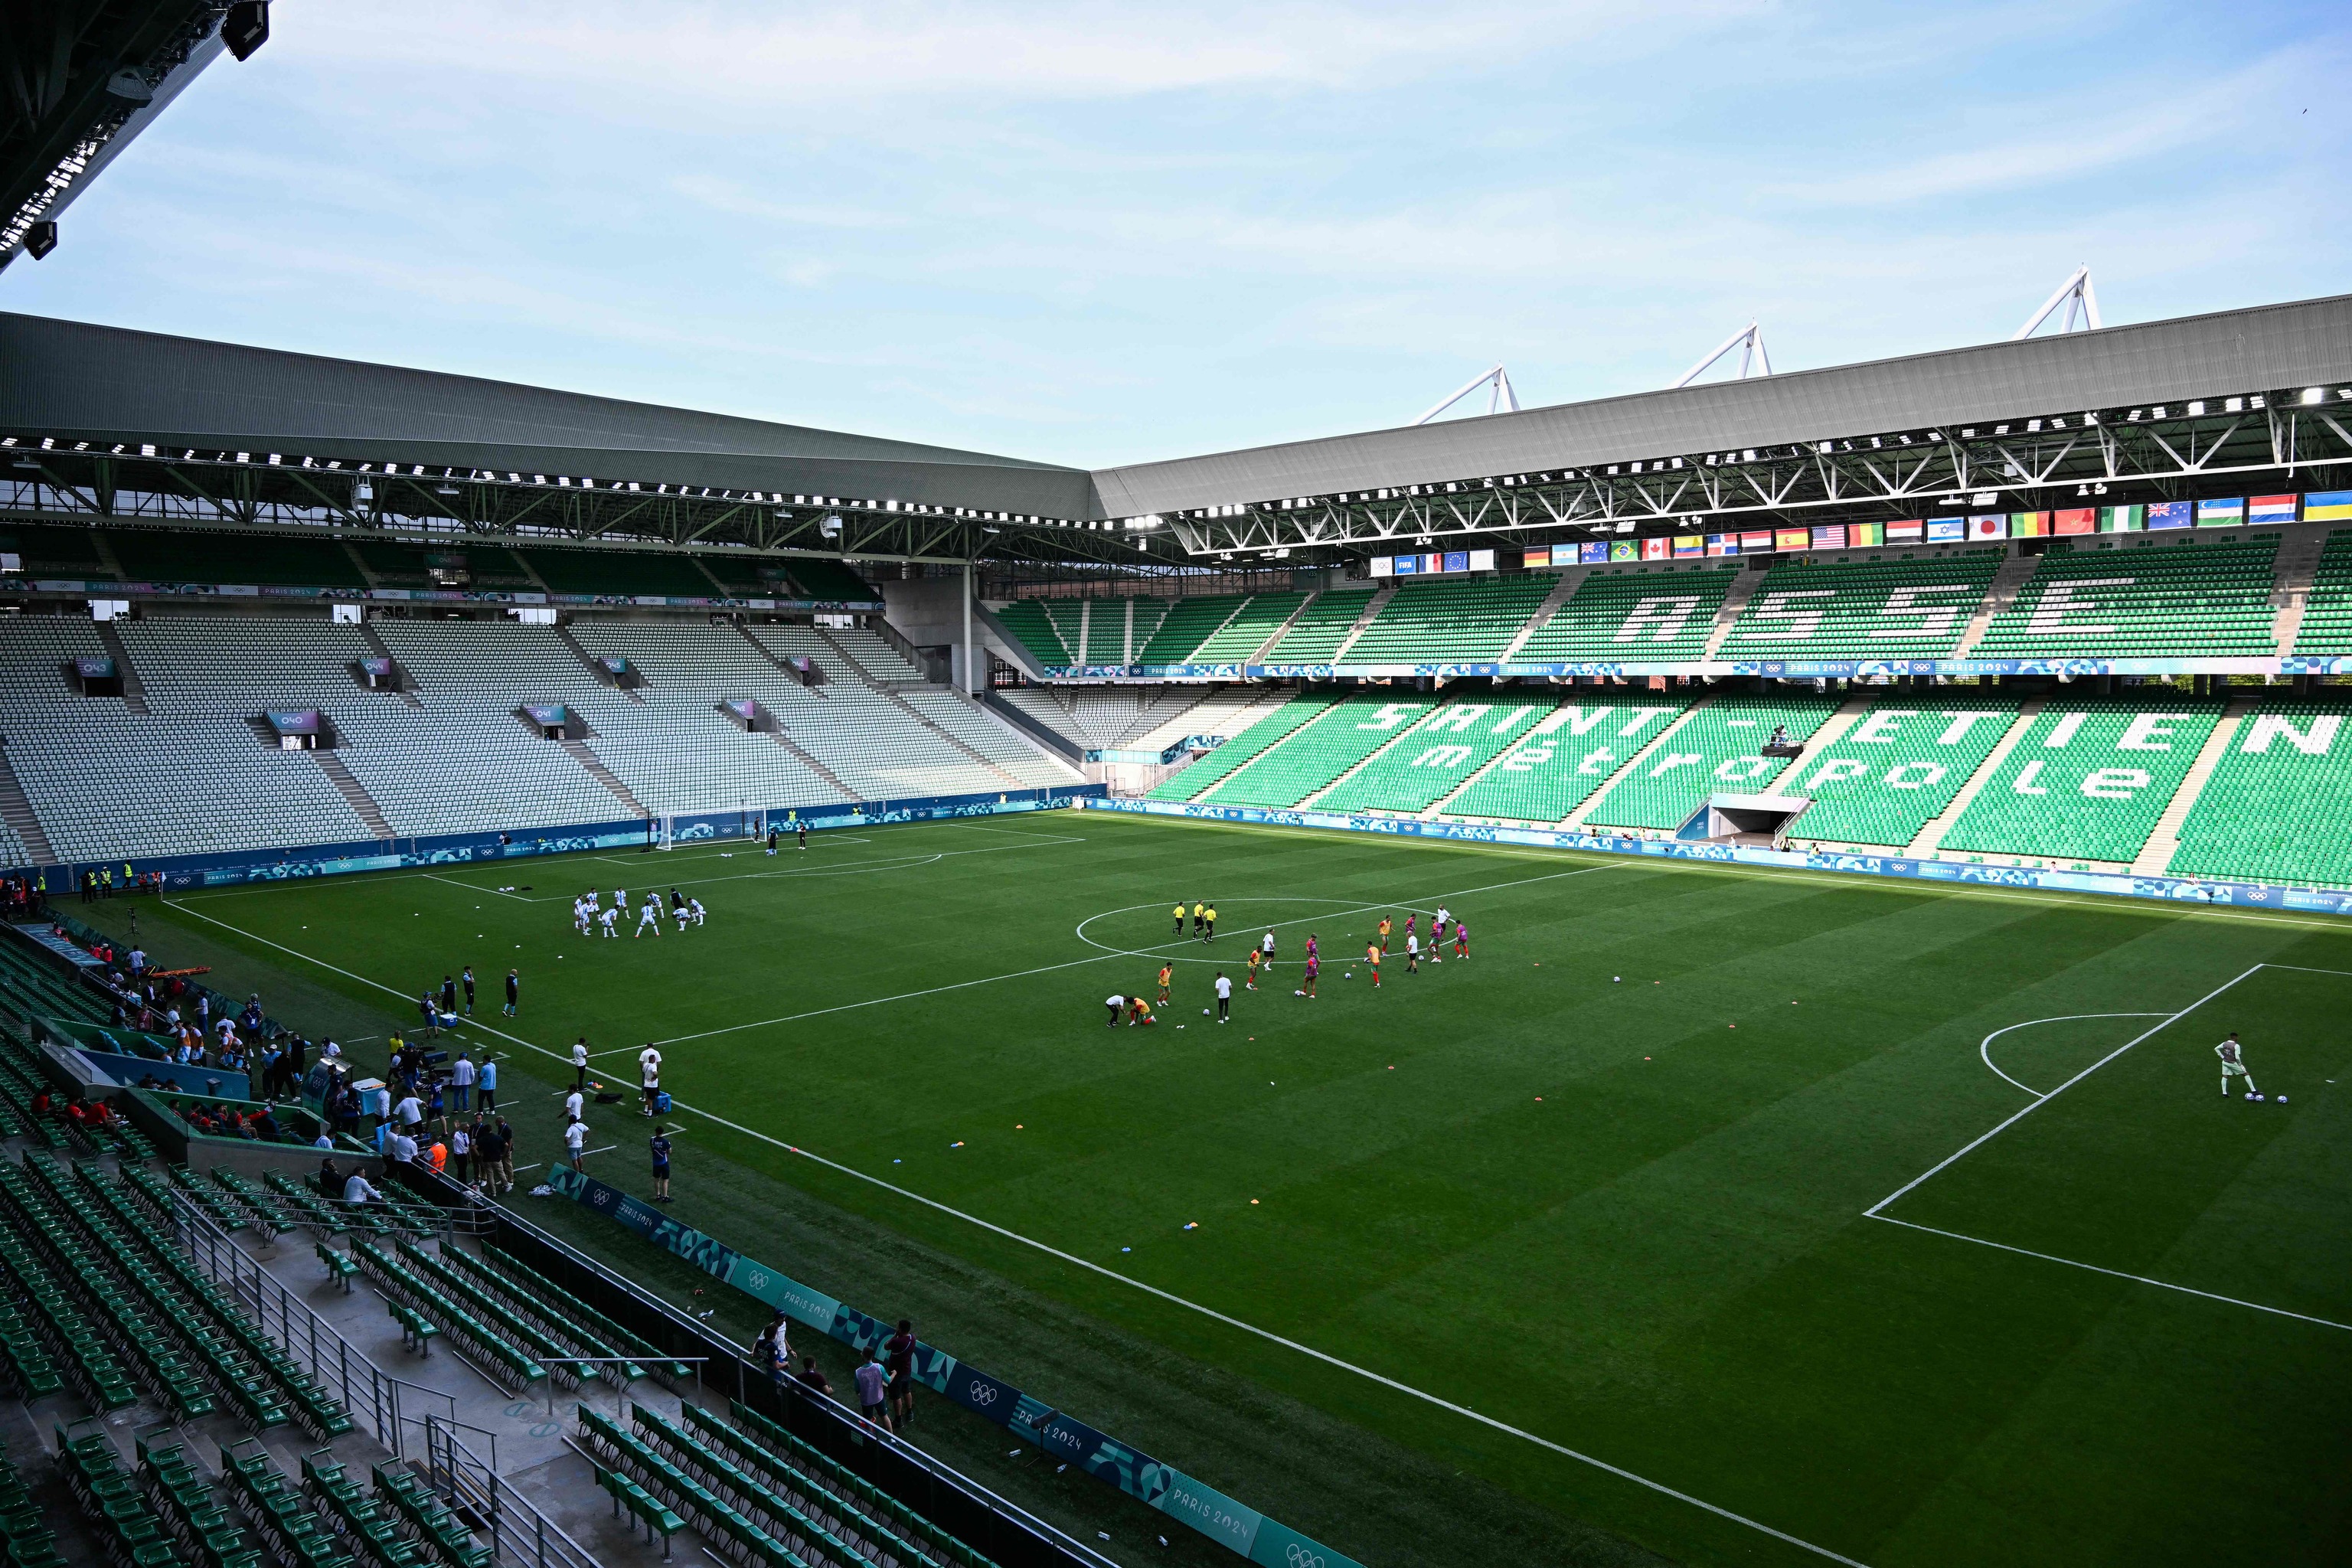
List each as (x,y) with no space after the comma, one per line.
(803,833)
(1461,939)
(579,907)
(649,914)
(1385,928)
(466,978)
(1411,950)
(694,908)
(1409,918)
(1314,953)
(2233,1064)
(611,918)
(677,900)
(682,915)
(1372,957)
(514,994)
(1180,920)
(1313,967)
(1211,935)
(1114,1001)
(649,1074)
(1199,910)
(771,838)
(1224,998)
(1253,969)
(1139,1011)
(1166,972)
(620,900)
(1437,934)
(1267,947)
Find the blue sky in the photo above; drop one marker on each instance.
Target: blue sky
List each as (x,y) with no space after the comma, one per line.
(1103,233)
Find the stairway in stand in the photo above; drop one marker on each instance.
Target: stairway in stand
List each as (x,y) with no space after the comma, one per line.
(579,753)
(17,811)
(363,804)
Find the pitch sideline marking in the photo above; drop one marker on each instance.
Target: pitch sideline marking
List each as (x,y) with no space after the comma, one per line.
(2117,1273)
(496,892)
(1984,1046)
(1112,1274)
(2013,1119)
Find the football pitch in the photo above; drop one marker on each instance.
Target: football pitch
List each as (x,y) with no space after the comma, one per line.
(1754,1217)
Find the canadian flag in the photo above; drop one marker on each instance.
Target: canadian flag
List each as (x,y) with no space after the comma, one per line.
(1657,548)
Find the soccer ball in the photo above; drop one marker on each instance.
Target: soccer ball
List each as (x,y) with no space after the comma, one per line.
(2253,1097)
(1616,980)
(1205,1012)
(2282,1100)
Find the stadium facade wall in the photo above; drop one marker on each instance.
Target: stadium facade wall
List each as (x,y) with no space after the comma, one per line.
(2185,890)
(182,873)
(1224,1519)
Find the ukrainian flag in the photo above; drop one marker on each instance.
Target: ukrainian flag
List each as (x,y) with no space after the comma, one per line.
(2327,506)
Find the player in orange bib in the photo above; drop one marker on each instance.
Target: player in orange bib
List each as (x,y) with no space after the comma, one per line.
(1166,972)
(1372,957)
(1385,928)
(1252,981)
(1139,1011)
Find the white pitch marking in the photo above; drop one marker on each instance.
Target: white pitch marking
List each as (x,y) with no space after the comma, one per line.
(2007,1122)
(471,887)
(1170,1297)
(1984,1047)
(2117,1273)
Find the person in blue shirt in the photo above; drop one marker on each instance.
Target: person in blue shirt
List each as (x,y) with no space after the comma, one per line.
(487,1081)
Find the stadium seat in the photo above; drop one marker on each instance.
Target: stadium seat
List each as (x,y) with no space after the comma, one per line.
(1321,627)
(1881,606)
(2088,781)
(1434,758)
(1716,751)
(1571,752)
(2141,597)
(1192,783)
(2278,804)
(1635,616)
(1897,767)
(1317,752)
(1441,621)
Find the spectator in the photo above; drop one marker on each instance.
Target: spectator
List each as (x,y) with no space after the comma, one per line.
(812,1377)
(874,1391)
(771,1353)
(898,1354)
(330,1178)
(359,1190)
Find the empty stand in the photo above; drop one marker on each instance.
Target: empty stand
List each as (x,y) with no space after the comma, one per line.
(2326,626)
(1632,617)
(1193,782)
(1894,607)
(2140,596)
(1716,752)
(1431,761)
(1440,622)
(1238,639)
(1897,767)
(2088,781)
(2277,806)
(1314,756)
(1187,625)
(1322,627)
(1028,621)
(1569,753)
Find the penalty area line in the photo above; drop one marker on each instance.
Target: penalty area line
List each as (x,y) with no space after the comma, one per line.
(2117,1273)
(1172,1299)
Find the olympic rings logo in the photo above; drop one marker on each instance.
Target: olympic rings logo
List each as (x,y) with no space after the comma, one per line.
(1302,1558)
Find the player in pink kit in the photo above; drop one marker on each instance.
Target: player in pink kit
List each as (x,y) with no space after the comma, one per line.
(1313,967)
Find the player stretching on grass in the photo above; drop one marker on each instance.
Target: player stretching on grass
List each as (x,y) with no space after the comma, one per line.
(1372,957)
(1139,1011)
(2233,1064)
(1252,980)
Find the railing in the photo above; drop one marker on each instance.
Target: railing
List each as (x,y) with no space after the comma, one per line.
(491,1507)
(394,1411)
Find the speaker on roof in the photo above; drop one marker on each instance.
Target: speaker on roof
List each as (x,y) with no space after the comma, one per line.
(41,239)
(246,28)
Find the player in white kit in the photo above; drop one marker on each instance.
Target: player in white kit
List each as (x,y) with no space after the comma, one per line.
(2233,1064)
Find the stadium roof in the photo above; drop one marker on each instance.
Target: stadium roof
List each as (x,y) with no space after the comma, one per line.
(2306,343)
(111,385)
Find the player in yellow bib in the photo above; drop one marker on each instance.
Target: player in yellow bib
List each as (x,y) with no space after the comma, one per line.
(1166,972)
(1180,920)
(1385,928)
(1252,981)
(1372,957)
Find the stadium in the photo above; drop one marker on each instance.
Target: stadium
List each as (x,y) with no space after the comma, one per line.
(1874,790)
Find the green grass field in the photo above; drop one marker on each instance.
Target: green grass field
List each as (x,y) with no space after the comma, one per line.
(1615,1189)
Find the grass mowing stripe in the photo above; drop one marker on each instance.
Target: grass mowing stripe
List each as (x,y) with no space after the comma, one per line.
(2007,1122)
(1111,1274)
(2117,1273)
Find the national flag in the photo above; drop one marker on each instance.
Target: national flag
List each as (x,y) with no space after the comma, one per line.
(1989,525)
(2122,519)
(2270,509)
(1690,544)
(1756,541)
(2172,514)
(2327,506)
(1946,530)
(1530,560)
(1909,530)
(1723,545)
(1624,549)
(2027,525)
(1864,535)
(1799,539)
(1593,553)
(1657,547)
(1829,536)
(2081,519)
(2226,513)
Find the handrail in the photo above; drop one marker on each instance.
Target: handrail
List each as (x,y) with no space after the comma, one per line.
(519,1532)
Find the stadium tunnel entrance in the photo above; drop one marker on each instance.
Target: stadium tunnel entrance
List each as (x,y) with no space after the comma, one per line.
(1759,821)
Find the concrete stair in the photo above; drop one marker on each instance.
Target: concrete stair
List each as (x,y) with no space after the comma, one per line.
(1734,603)
(1258,655)
(579,753)
(1372,608)
(2165,841)
(1997,597)
(884,691)
(810,762)
(2298,562)
(1561,592)
(363,804)
(134,691)
(1574,821)
(17,811)
(376,647)
(1932,835)
(596,672)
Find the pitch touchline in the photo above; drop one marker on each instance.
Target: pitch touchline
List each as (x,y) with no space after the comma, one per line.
(2008,1122)
(2117,1273)
(1112,1274)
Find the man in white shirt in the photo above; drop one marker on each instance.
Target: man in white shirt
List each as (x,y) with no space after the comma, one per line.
(649,1074)
(694,908)
(579,1062)
(610,920)
(2233,1064)
(410,1112)
(1115,1001)
(404,1149)
(1224,998)
(1266,947)
(359,1190)
(572,1104)
(649,914)
(575,1138)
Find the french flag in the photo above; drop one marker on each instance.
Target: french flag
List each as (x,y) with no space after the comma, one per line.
(2271,509)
